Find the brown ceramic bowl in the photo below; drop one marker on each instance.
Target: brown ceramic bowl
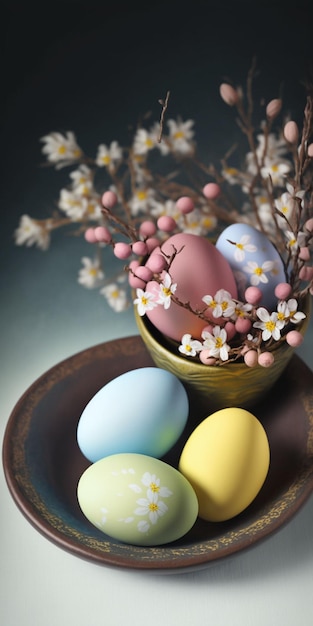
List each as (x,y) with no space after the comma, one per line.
(42,463)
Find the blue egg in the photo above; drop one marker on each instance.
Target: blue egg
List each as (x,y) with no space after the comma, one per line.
(143,411)
(253,259)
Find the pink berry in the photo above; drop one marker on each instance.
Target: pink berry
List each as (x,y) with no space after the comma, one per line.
(304,253)
(147,228)
(90,235)
(152,243)
(251,358)
(140,248)
(242,325)
(185,205)
(253,295)
(309,224)
(103,234)
(230,330)
(166,223)
(122,250)
(143,272)
(135,282)
(282,291)
(306,273)
(205,357)
(109,199)
(211,191)
(294,338)
(266,359)
(157,263)
(208,329)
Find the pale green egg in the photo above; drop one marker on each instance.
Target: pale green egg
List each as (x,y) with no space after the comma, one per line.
(137,499)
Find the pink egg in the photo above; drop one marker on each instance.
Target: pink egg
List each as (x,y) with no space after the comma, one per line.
(199,269)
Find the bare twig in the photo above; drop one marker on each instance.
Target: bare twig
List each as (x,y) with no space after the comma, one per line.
(164,104)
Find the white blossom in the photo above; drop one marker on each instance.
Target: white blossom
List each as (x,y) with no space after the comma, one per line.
(140,201)
(289,310)
(91,274)
(221,304)
(243,246)
(270,324)
(166,289)
(276,170)
(215,342)
(190,346)
(109,156)
(258,272)
(115,296)
(30,232)
(73,205)
(143,141)
(145,301)
(82,180)
(61,149)
(181,135)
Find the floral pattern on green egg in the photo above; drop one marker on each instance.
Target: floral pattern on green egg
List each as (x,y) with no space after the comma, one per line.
(137,499)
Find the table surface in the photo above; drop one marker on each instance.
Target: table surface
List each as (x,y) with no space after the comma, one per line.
(46,317)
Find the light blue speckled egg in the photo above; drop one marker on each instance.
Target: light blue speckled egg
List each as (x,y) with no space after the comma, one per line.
(253,259)
(137,499)
(142,411)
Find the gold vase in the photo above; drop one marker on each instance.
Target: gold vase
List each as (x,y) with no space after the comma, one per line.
(215,387)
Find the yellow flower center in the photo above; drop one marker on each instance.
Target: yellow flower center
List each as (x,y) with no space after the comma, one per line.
(141,195)
(114,293)
(270,325)
(166,291)
(77,153)
(232,171)
(61,149)
(149,142)
(154,487)
(153,507)
(239,313)
(179,135)
(213,304)
(218,342)
(106,159)
(258,271)
(224,305)
(280,316)
(274,168)
(239,245)
(93,271)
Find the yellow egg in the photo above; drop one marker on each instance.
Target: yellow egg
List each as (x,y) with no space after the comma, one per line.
(226,460)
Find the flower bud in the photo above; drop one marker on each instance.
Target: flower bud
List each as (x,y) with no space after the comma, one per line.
(291,132)
(273,108)
(228,94)
(310,150)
